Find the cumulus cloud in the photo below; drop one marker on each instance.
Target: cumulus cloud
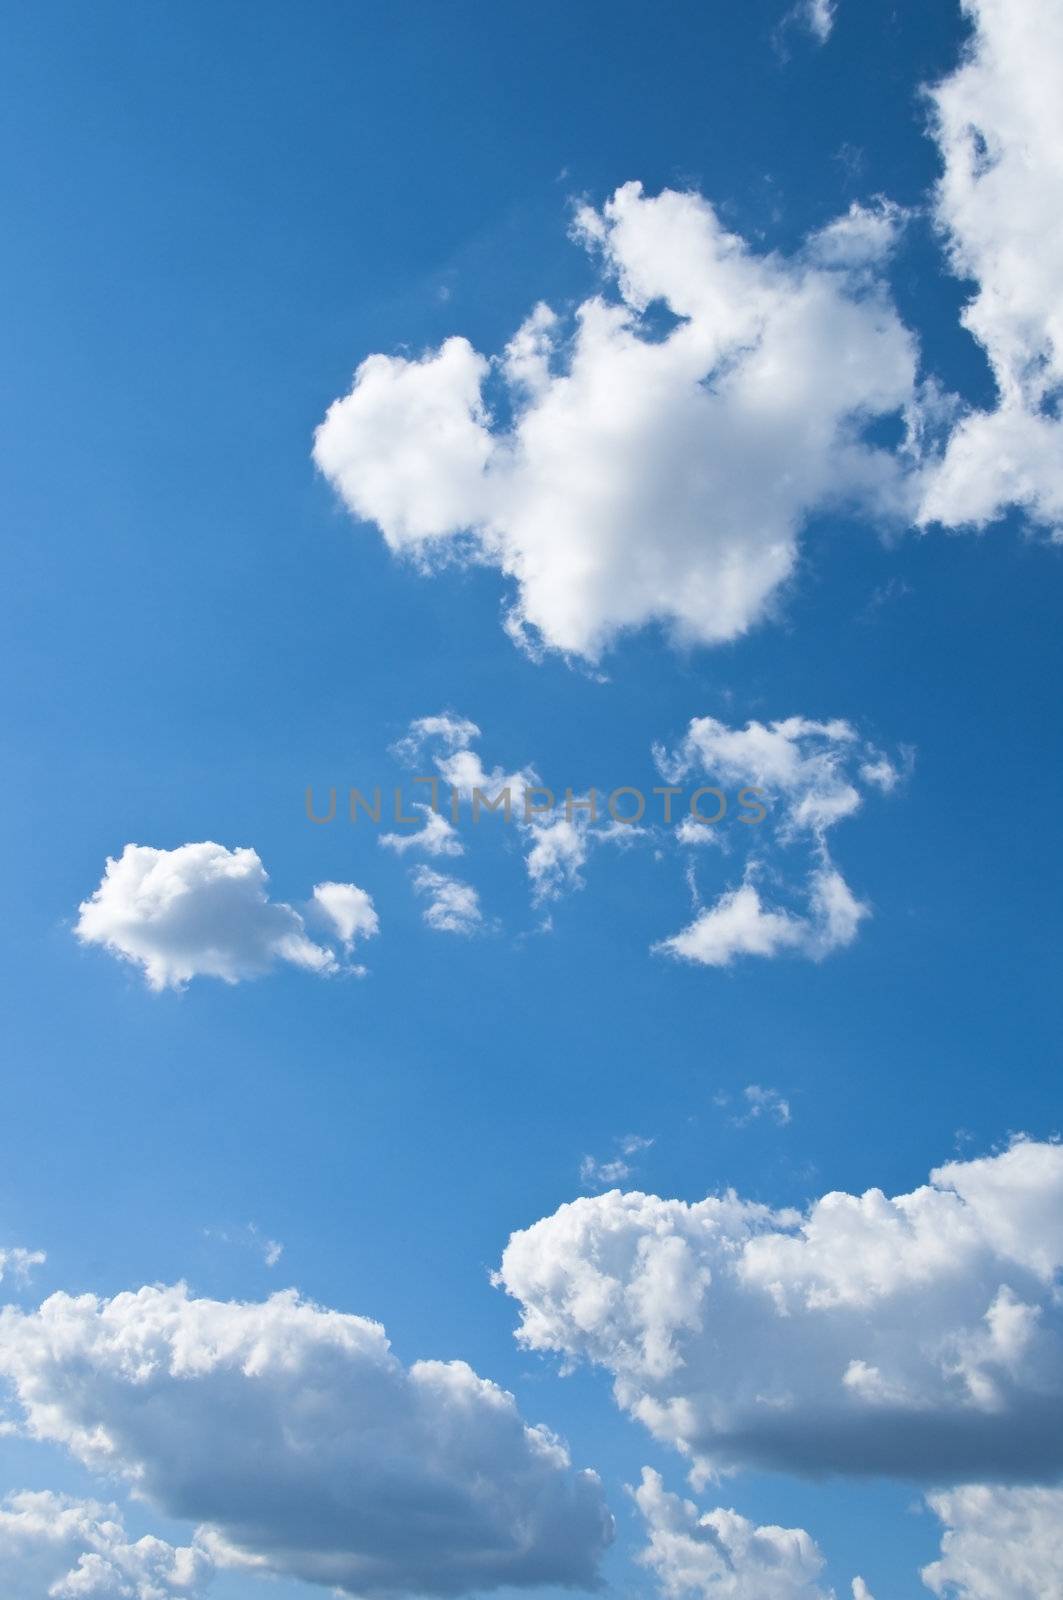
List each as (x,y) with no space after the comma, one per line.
(643,476)
(303,1446)
(350,911)
(998,120)
(51,1545)
(20,1263)
(720,1555)
(453,906)
(917,1336)
(999,1544)
(204,911)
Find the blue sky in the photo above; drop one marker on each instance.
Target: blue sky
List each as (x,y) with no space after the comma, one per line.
(213,219)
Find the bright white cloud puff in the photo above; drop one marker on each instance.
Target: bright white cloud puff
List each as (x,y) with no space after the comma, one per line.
(644,477)
(204,911)
(920,1336)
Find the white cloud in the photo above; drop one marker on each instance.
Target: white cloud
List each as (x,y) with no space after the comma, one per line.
(861,1590)
(453,906)
(436,836)
(761,1102)
(808,771)
(808,776)
(719,1555)
(20,1263)
(596,1174)
(252,1237)
(643,478)
(304,1447)
(999,126)
(603,1174)
(920,1335)
(51,1545)
(818,16)
(198,911)
(999,1544)
(739,924)
(450,731)
(558,853)
(863,237)
(558,842)
(349,909)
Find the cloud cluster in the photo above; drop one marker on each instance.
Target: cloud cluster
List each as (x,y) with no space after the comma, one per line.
(204,911)
(51,1545)
(810,776)
(303,1446)
(720,1555)
(557,842)
(998,121)
(643,475)
(920,1335)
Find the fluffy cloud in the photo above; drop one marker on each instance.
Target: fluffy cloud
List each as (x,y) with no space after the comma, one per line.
(349,909)
(813,774)
(302,1444)
(204,911)
(999,125)
(919,1335)
(738,924)
(809,776)
(453,906)
(78,1550)
(19,1263)
(999,1544)
(722,1556)
(644,476)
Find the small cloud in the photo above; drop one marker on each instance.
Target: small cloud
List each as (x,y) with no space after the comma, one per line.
(200,910)
(249,1237)
(349,909)
(762,1102)
(453,906)
(595,1174)
(436,836)
(19,1263)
